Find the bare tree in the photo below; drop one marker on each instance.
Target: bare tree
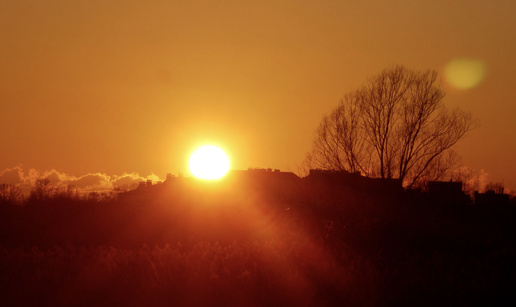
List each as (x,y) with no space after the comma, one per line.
(43,190)
(496,187)
(395,126)
(10,194)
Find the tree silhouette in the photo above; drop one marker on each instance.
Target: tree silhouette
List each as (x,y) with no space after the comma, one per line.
(10,194)
(395,126)
(496,187)
(43,190)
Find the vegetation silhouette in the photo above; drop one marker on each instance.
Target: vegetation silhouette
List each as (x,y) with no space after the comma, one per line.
(394,126)
(258,237)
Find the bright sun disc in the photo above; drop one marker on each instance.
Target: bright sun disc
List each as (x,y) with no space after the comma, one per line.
(209,162)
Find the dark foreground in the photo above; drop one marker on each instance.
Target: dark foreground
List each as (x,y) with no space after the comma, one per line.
(106,253)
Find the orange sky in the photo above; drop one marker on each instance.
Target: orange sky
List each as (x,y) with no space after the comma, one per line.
(112,86)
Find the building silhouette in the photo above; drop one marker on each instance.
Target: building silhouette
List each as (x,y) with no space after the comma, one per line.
(491,198)
(447,193)
(323,190)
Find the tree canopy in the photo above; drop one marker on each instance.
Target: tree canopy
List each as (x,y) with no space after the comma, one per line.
(395,126)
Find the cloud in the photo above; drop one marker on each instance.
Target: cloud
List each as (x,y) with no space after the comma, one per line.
(85,183)
(132,178)
(471,179)
(11,175)
(482,179)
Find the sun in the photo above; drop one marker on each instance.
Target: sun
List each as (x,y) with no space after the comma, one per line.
(209,162)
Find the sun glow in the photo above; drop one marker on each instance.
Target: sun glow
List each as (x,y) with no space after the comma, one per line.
(209,162)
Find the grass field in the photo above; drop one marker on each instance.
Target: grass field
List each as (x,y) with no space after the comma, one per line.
(107,253)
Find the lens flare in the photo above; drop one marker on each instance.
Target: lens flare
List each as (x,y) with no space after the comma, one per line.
(209,162)
(464,73)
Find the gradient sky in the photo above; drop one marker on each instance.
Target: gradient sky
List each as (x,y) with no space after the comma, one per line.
(119,86)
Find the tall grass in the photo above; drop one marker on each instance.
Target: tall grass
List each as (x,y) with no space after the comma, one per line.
(249,274)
